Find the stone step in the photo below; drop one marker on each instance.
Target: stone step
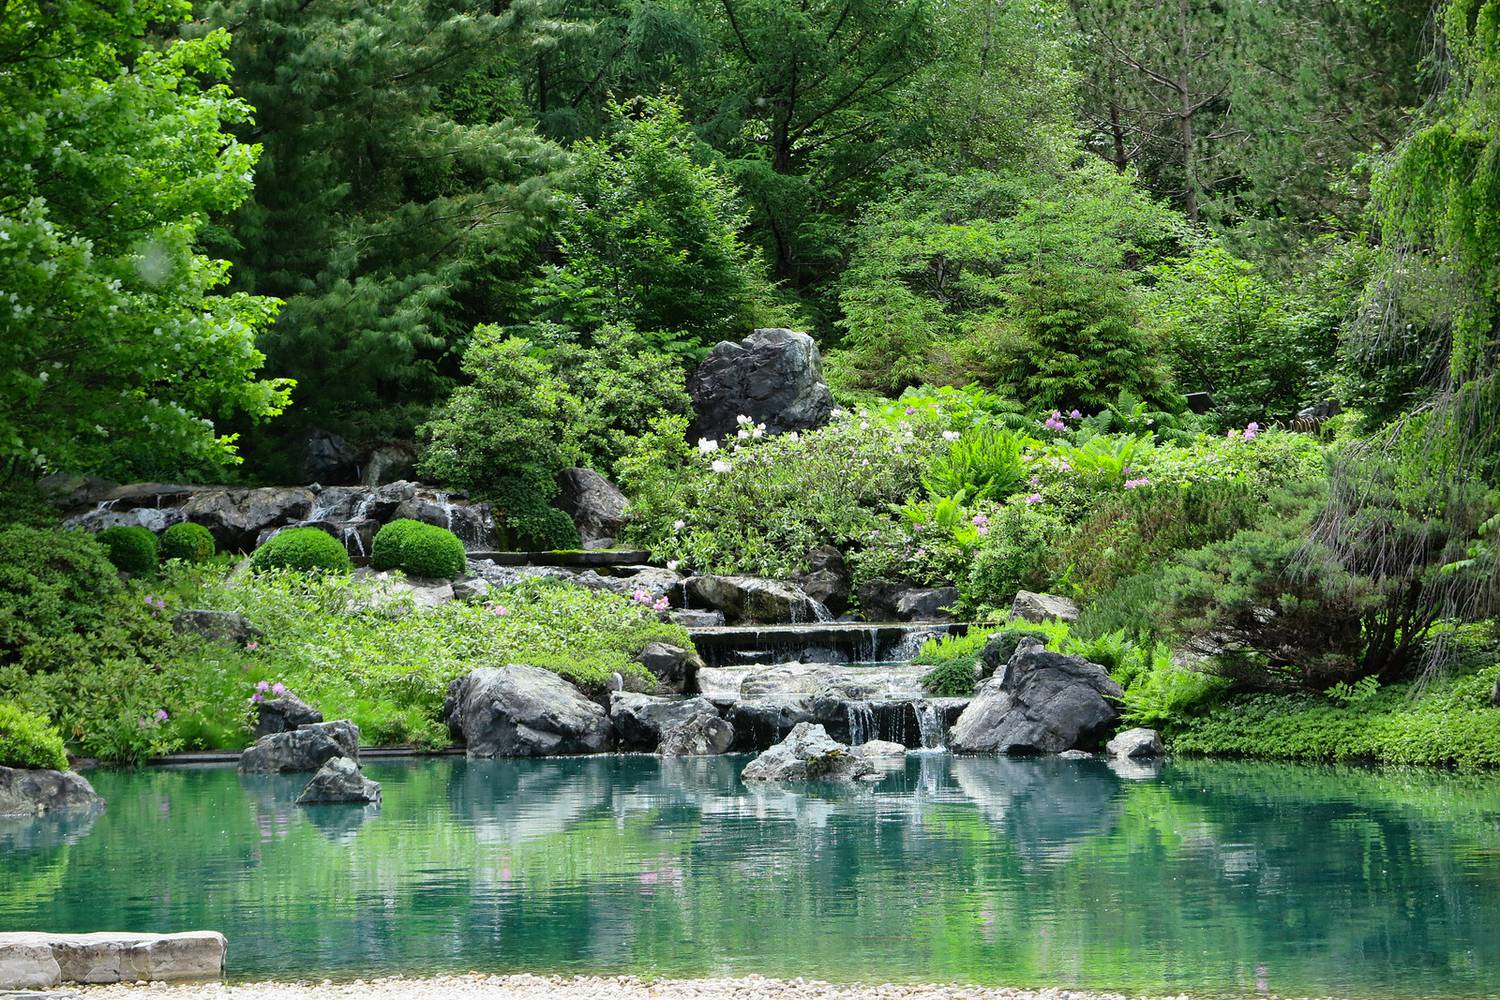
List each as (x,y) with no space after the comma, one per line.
(821,642)
(36,961)
(580,558)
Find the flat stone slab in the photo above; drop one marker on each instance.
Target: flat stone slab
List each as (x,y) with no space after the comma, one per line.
(33,961)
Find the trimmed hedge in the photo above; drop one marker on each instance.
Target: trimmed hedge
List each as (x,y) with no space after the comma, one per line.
(418,549)
(305,549)
(187,541)
(28,740)
(131,548)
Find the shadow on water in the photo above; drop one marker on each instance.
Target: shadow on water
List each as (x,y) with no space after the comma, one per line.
(1202,876)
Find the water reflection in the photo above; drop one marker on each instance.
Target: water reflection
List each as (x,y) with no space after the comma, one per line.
(1200,876)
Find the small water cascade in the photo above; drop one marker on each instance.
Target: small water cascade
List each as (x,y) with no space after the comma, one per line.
(861,722)
(930,725)
(911,644)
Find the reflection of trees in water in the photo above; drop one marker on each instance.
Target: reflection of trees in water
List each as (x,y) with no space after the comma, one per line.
(984,869)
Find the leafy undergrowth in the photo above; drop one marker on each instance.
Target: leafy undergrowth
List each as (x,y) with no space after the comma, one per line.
(1450,723)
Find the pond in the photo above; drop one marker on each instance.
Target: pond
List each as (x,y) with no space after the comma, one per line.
(1209,877)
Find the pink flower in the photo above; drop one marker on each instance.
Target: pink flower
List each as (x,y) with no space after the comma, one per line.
(982,529)
(252,646)
(1034,498)
(263,687)
(660,604)
(1075,414)
(980,521)
(499,610)
(256,698)
(1131,484)
(1036,480)
(910,410)
(278,689)
(1251,430)
(161,715)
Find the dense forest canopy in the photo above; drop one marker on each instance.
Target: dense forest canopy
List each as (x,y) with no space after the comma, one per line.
(1238,257)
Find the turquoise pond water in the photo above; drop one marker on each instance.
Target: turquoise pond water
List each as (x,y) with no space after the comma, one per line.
(1210,877)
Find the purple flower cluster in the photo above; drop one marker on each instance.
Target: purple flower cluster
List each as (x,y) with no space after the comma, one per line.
(156,604)
(1132,484)
(644,599)
(266,687)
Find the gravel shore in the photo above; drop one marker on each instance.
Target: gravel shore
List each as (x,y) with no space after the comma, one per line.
(477,987)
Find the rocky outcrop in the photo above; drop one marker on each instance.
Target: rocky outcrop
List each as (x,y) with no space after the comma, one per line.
(653,580)
(522,711)
(774,377)
(1041,702)
(27,792)
(675,669)
(809,754)
(594,504)
(305,749)
(1000,647)
(389,464)
(754,600)
(1032,607)
(880,750)
(68,491)
(324,457)
(225,626)
(827,578)
(700,736)
(692,618)
(30,961)
(765,723)
(640,720)
(339,781)
(889,600)
(392,590)
(283,714)
(1136,744)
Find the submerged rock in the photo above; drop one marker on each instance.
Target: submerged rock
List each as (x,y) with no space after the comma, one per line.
(700,736)
(773,376)
(1041,702)
(29,791)
(284,714)
(523,711)
(1136,744)
(1033,607)
(754,600)
(881,750)
(338,781)
(596,506)
(304,749)
(809,754)
(640,720)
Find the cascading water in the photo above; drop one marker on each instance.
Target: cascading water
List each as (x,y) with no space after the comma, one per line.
(861,722)
(929,725)
(911,644)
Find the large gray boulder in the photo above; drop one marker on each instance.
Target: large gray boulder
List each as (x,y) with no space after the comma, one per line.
(641,719)
(827,578)
(700,736)
(1000,647)
(324,457)
(675,669)
(1136,744)
(1033,607)
(656,581)
(305,749)
(522,711)
(239,519)
(283,714)
(774,377)
(763,723)
(389,463)
(1040,702)
(594,504)
(809,754)
(338,782)
(754,600)
(27,792)
(889,600)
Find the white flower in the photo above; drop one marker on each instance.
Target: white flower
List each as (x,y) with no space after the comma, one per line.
(758,432)
(672,565)
(707,447)
(793,436)
(742,420)
(950,435)
(719,465)
(679,524)
(742,434)
(837,412)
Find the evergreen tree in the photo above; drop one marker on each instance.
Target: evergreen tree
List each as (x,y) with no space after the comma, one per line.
(391,199)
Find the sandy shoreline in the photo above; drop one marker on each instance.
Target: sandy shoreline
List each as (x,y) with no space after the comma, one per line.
(527,987)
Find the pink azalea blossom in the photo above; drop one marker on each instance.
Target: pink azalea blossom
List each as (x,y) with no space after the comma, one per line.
(1034,498)
(256,698)
(278,689)
(1131,484)
(1075,414)
(1251,430)
(980,521)
(252,646)
(263,687)
(161,715)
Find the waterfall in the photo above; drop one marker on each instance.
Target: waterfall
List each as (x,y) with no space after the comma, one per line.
(929,725)
(820,611)
(911,644)
(861,722)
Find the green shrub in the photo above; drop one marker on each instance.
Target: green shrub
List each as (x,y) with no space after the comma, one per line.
(984,464)
(55,587)
(303,549)
(532,525)
(952,658)
(28,740)
(953,679)
(418,549)
(187,541)
(132,549)
(1012,556)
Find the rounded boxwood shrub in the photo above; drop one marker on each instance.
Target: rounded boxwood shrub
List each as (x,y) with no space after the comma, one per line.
(304,549)
(418,549)
(55,587)
(187,541)
(132,549)
(28,740)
